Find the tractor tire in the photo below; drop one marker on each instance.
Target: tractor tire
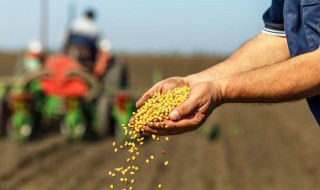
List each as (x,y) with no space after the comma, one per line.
(19,133)
(74,126)
(4,114)
(73,133)
(105,123)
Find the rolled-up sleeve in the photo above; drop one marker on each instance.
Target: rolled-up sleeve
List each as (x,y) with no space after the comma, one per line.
(273,19)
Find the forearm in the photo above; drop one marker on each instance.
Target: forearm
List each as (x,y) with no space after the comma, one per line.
(294,79)
(261,51)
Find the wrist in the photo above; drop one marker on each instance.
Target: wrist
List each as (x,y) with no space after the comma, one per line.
(193,79)
(222,85)
(200,77)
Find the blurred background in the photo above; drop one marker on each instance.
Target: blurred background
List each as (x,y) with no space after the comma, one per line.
(57,128)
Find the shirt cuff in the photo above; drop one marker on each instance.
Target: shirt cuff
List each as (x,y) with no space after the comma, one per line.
(274,32)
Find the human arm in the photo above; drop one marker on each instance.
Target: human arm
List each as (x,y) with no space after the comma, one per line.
(258,52)
(290,80)
(261,51)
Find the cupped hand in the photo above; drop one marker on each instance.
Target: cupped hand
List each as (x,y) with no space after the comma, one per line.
(190,115)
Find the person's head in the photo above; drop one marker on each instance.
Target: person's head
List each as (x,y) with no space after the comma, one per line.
(90,14)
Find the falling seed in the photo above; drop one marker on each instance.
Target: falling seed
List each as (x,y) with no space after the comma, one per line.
(154,111)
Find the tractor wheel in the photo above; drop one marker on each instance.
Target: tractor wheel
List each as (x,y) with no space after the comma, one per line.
(4,114)
(19,132)
(104,123)
(73,132)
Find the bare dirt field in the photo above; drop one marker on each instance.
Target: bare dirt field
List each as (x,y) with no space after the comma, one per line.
(259,147)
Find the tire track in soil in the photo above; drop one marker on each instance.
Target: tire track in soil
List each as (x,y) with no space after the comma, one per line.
(18,156)
(41,166)
(95,162)
(29,160)
(56,169)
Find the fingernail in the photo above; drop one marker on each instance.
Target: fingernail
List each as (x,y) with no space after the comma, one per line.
(174,115)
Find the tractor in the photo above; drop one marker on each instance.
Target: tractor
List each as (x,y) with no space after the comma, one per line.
(64,91)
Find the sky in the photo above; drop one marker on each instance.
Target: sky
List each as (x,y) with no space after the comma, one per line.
(141,26)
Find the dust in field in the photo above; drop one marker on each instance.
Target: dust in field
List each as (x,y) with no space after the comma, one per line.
(259,147)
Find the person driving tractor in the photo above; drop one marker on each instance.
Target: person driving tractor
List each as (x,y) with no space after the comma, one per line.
(32,59)
(82,43)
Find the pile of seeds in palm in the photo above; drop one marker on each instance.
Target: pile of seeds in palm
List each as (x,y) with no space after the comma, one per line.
(152,113)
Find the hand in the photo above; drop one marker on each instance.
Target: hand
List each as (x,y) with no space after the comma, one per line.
(203,99)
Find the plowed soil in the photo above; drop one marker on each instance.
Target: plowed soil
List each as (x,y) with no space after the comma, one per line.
(258,147)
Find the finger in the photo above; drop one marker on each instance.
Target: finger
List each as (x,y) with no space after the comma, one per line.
(191,121)
(185,109)
(165,132)
(131,120)
(184,125)
(160,125)
(145,133)
(149,130)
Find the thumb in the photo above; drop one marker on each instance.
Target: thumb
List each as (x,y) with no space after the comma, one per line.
(184,109)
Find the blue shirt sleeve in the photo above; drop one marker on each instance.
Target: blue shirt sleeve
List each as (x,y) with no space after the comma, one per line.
(273,18)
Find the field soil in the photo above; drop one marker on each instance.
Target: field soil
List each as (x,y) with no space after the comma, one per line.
(258,147)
